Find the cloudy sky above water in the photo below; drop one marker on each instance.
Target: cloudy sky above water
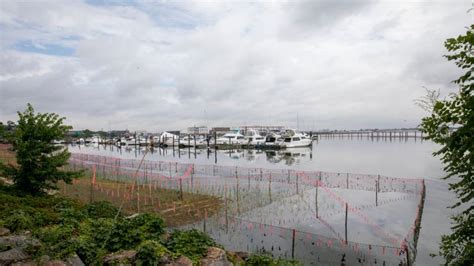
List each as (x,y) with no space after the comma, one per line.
(171,64)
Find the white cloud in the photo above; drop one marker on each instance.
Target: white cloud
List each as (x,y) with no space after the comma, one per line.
(160,65)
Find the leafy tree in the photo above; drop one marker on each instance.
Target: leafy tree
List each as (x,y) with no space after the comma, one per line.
(2,130)
(39,160)
(451,125)
(87,133)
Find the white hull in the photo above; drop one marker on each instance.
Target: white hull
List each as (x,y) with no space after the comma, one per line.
(295,144)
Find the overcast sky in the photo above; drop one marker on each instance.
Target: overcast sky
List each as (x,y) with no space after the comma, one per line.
(172,64)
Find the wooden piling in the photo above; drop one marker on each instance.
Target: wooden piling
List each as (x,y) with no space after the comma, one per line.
(293,244)
(345,224)
(316,199)
(347,181)
(204,222)
(377,191)
(297,192)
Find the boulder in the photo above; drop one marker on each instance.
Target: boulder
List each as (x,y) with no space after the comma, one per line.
(13,255)
(74,260)
(4,231)
(55,263)
(20,241)
(25,263)
(121,257)
(183,261)
(234,258)
(215,257)
(242,254)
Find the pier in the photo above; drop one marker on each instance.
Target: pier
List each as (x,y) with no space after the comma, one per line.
(382,133)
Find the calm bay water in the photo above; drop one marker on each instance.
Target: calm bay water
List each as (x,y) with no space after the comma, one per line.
(397,158)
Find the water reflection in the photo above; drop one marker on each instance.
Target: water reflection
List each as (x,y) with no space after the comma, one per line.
(288,157)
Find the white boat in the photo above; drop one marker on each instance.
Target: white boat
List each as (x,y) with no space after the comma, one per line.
(273,139)
(167,138)
(252,137)
(130,142)
(294,138)
(189,140)
(231,138)
(95,140)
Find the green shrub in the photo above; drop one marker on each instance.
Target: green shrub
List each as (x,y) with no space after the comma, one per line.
(101,209)
(18,220)
(150,252)
(90,251)
(192,243)
(260,260)
(97,230)
(151,225)
(57,241)
(124,235)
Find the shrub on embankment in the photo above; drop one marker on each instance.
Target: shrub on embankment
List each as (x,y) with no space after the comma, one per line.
(55,227)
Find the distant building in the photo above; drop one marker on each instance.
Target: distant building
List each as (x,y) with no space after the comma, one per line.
(219,130)
(201,130)
(174,132)
(263,128)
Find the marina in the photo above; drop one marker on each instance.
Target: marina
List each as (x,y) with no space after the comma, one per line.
(248,138)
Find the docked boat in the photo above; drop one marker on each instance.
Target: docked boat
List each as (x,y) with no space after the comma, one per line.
(294,138)
(273,139)
(252,137)
(167,138)
(189,140)
(130,142)
(231,138)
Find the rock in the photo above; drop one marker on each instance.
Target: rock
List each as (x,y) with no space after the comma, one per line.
(4,231)
(13,255)
(43,259)
(55,263)
(234,258)
(124,256)
(25,263)
(74,260)
(18,241)
(215,257)
(242,254)
(183,261)
(165,260)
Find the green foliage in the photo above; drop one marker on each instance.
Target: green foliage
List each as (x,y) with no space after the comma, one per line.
(101,209)
(259,260)
(267,260)
(192,243)
(92,235)
(451,125)
(89,251)
(18,220)
(65,226)
(151,225)
(57,241)
(150,252)
(39,160)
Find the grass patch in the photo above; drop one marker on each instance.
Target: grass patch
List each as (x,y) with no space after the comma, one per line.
(146,198)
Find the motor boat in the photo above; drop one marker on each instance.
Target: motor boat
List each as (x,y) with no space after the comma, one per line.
(188,140)
(273,139)
(252,137)
(294,138)
(231,138)
(167,138)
